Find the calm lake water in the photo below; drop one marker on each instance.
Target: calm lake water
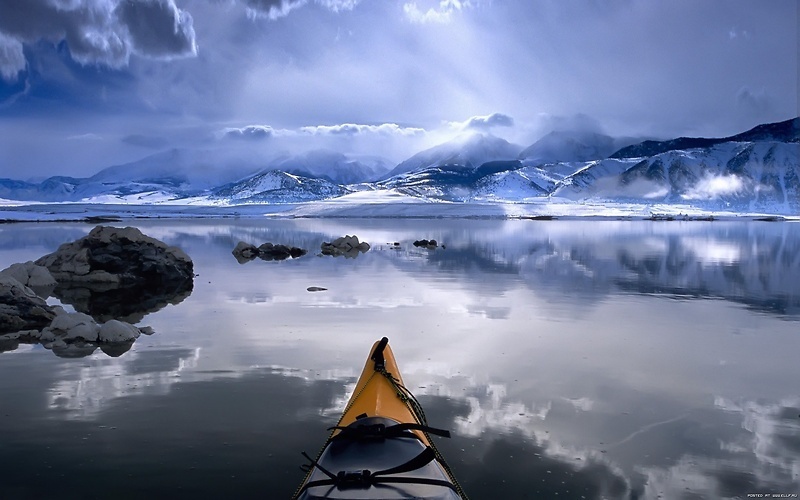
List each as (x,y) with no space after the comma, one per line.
(575,359)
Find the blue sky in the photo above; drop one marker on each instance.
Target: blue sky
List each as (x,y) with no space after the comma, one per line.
(86,84)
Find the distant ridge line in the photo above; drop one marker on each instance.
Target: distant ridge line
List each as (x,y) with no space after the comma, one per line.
(785,131)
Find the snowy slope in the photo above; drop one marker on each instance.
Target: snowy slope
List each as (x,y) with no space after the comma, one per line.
(61,189)
(467,151)
(759,175)
(332,166)
(510,185)
(734,175)
(785,131)
(274,186)
(595,179)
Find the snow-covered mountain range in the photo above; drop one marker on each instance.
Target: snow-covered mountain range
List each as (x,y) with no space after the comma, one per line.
(466,152)
(756,170)
(276,186)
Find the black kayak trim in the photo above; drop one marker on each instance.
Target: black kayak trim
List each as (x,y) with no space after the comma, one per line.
(365,478)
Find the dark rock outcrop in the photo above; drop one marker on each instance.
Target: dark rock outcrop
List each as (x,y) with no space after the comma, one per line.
(75,335)
(245,252)
(115,273)
(21,308)
(35,277)
(347,246)
(122,256)
(430,244)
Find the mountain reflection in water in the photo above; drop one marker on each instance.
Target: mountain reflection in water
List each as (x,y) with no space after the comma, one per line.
(598,359)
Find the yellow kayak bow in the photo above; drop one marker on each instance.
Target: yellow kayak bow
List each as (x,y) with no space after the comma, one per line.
(381,447)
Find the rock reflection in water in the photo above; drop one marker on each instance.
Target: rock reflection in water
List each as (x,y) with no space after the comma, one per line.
(115,273)
(131,304)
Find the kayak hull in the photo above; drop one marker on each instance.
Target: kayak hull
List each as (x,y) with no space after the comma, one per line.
(376,395)
(381,447)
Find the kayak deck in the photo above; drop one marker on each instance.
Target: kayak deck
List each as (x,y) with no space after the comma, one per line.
(381,446)
(376,394)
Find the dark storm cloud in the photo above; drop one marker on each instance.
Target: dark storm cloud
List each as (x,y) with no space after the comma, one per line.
(157,28)
(104,32)
(88,28)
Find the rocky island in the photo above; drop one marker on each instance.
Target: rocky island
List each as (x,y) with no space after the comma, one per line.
(112,277)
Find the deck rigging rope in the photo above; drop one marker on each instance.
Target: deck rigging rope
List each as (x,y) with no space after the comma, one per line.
(414,406)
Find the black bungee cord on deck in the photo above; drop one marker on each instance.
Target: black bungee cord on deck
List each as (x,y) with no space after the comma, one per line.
(366,478)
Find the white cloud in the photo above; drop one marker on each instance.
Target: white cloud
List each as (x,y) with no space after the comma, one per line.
(250,132)
(354,129)
(12,59)
(710,188)
(343,129)
(272,9)
(766,450)
(388,141)
(338,5)
(484,122)
(276,9)
(441,13)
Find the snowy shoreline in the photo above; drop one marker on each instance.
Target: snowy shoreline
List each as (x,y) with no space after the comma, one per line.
(403,208)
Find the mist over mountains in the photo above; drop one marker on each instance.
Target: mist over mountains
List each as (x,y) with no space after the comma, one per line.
(756,170)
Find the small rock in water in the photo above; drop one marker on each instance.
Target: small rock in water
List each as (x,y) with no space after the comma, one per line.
(429,244)
(348,246)
(316,289)
(245,252)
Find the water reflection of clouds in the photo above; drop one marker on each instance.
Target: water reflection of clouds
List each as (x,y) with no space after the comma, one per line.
(83,392)
(662,456)
(773,437)
(710,250)
(489,311)
(497,415)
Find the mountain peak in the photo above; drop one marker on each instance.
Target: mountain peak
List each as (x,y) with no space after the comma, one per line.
(785,131)
(568,146)
(331,165)
(468,150)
